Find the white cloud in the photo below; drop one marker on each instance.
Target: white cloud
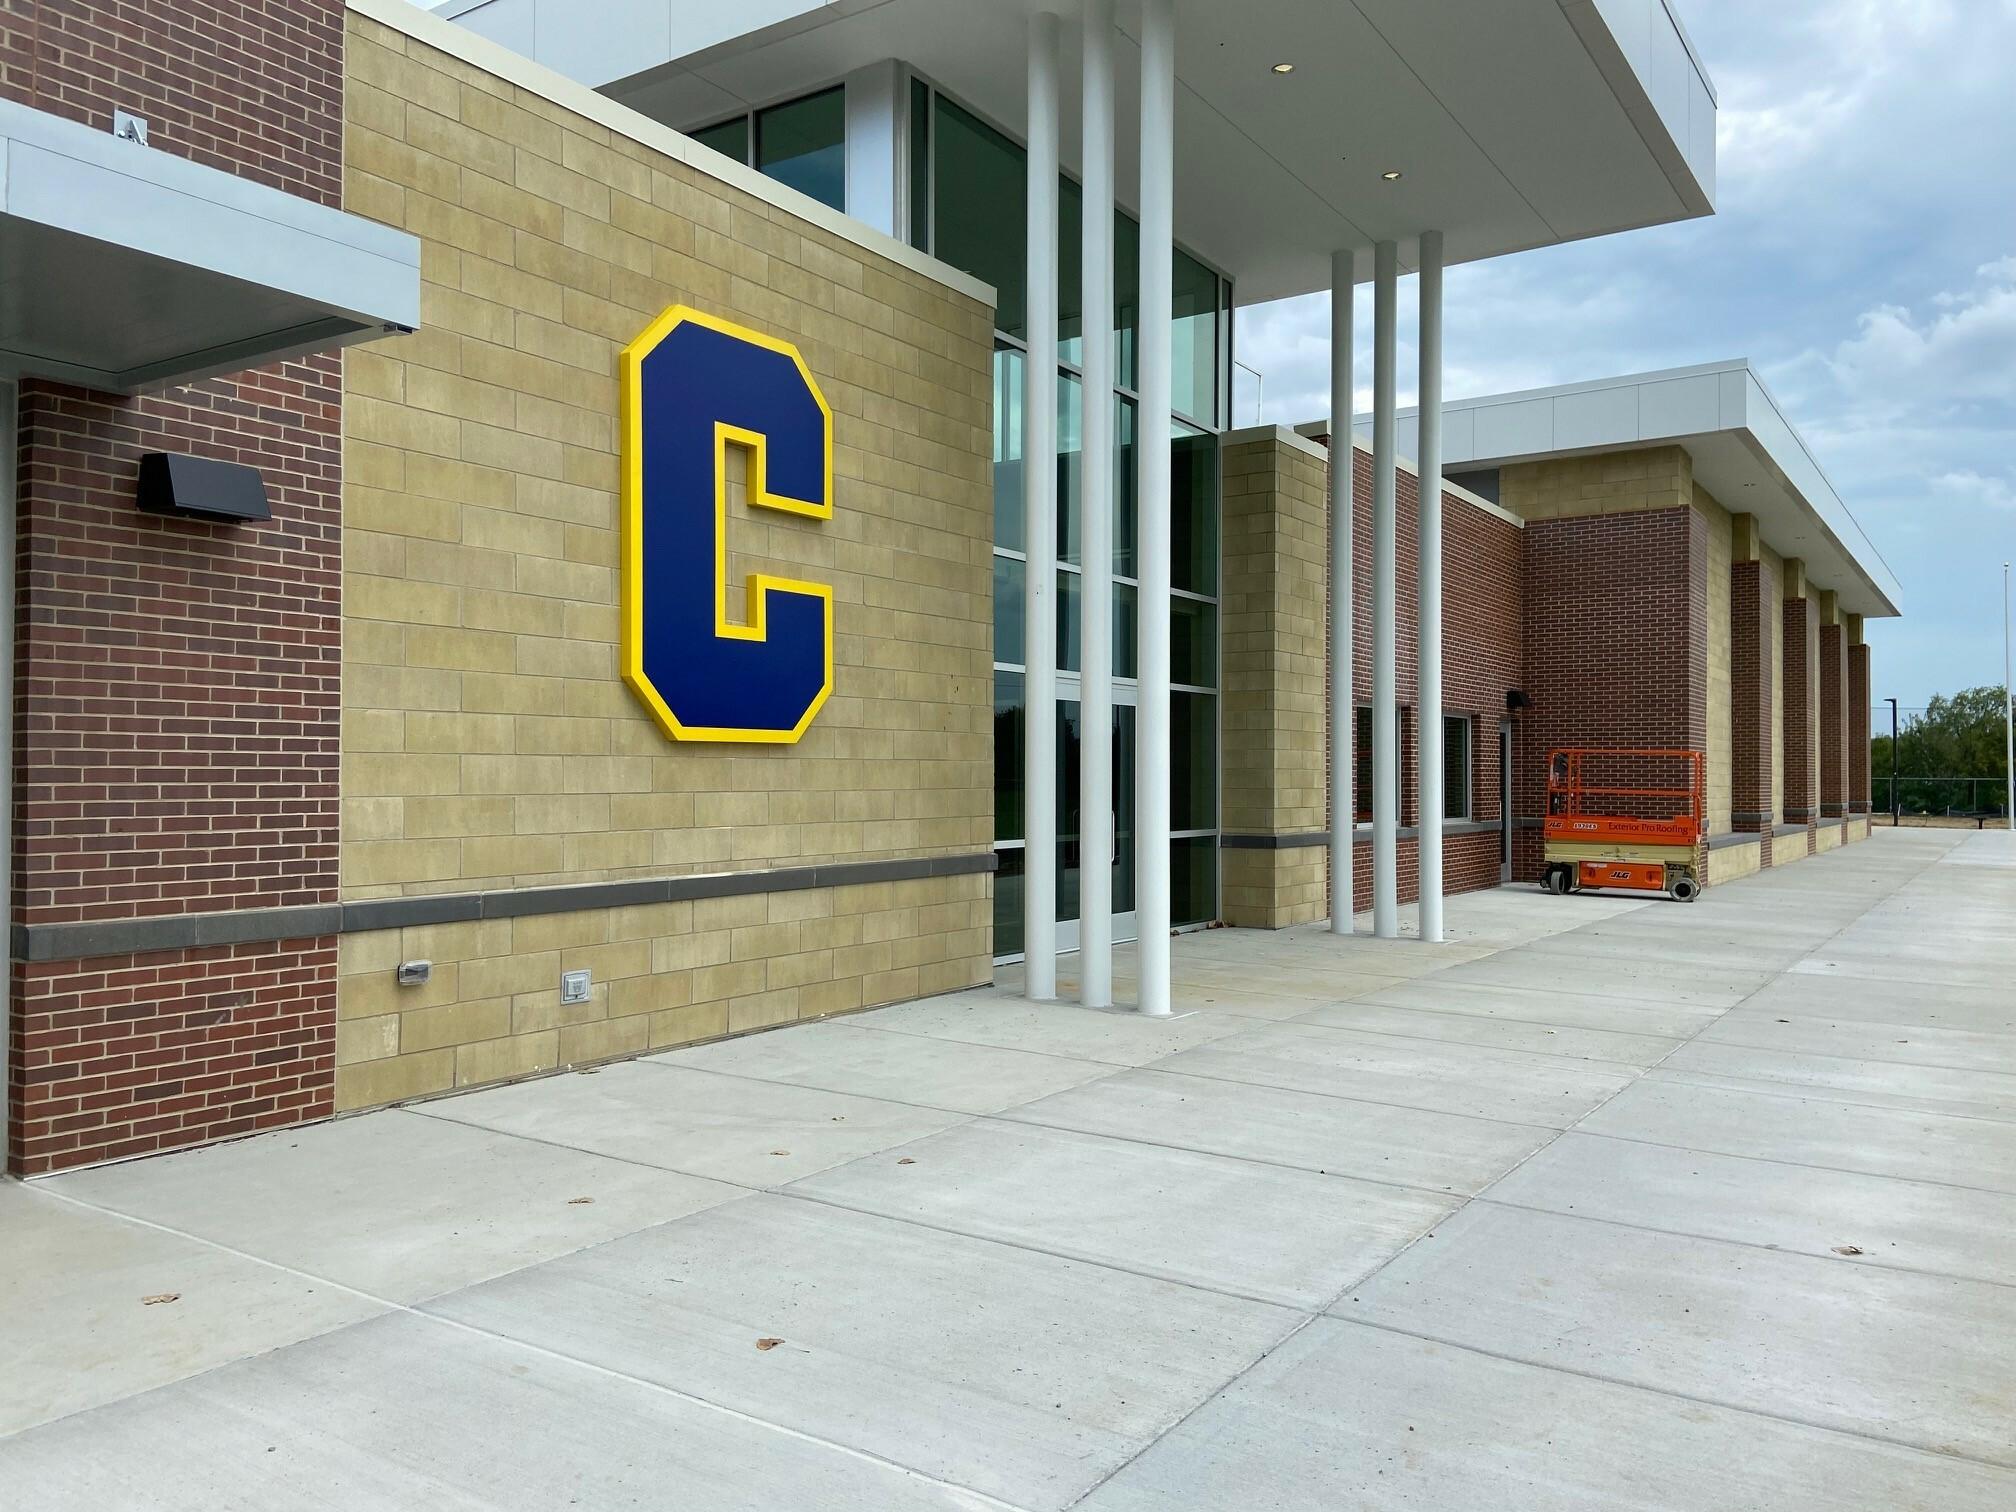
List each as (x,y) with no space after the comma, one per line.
(1966,351)
(1977,488)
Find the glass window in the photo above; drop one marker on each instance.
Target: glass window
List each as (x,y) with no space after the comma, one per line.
(1193,642)
(1193,880)
(1193,761)
(1010,868)
(981,215)
(803,143)
(1011,574)
(730,138)
(1193,511)
(920,165)
(1071,623)
(1361,761)
(1193,346)
(1070,284)
(1010,701)
(1070,490)
(1455,766)
(1008,394)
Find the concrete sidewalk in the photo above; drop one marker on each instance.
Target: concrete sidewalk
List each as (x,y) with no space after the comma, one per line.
(1604,1204)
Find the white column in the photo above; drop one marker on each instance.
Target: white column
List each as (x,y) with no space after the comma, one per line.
(1095,746)
(1385,549)
(1151,720)
(1039,502)
(1343,712)
(1429,626)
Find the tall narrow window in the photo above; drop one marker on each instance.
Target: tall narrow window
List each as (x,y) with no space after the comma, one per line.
(920,165)
(1455,766)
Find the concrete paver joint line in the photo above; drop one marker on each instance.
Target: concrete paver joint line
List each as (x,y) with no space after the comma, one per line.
(1613,1165)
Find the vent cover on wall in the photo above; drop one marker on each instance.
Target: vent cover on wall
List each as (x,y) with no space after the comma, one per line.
(198,488)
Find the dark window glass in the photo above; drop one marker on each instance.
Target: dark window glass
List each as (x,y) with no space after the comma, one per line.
(1010,701)
(1193,345)
(1455,766)
(1361,761)
(920,165)
(1009,516)
(1193,512)
(1011,605)
(1193,643)
(1193,880)
(1068,717)
(803,143)
(1193,755)
(981,210)
(730,138)
(1010,868)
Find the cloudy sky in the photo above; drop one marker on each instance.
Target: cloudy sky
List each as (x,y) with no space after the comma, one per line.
(1863,255)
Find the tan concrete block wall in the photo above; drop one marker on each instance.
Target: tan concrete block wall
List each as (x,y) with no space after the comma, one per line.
(1721,745)
(1275,541)
(1659,477)
(488,740)
(1729,862)
(1273,889)
(664,974)
(1827,837)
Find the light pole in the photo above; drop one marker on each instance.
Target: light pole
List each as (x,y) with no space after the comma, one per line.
(1896,809)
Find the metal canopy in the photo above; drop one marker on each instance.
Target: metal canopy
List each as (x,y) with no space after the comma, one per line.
(125,268)
(1745,452)
(1512,123)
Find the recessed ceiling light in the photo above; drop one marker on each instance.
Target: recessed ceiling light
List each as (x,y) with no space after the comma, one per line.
(1284,68)
(1391,175)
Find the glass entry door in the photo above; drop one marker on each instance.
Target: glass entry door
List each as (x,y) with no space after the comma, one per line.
(1070,721)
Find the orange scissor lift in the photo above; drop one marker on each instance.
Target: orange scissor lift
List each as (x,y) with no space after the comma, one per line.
(1588,847)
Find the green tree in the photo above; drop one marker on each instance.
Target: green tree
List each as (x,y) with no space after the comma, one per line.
(1955,737)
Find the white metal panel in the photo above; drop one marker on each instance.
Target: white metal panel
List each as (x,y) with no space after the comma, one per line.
(1630,22)
(1508,430)
(1595,417)
(1459,436)
(1701,133)
(876,109)
(1680,406)
(1672,72)
(1735,390)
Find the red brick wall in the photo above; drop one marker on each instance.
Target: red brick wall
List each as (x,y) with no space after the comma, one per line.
(1616,647)
(1752,691)
(1833,722)
(1481,612)
(176,683)
(254,87)
(126,1055)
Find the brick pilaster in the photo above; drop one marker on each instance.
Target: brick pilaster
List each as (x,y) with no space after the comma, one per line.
(1833,700)
(1802,706)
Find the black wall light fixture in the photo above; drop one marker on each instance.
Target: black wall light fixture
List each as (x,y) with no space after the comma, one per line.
(1515,700)
(199,488)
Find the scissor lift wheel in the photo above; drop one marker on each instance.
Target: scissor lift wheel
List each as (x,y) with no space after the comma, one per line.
(1684,888)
